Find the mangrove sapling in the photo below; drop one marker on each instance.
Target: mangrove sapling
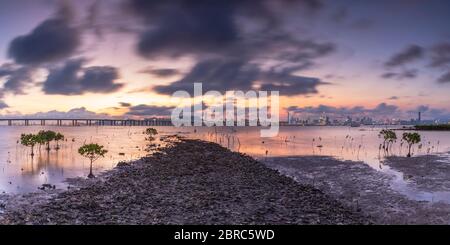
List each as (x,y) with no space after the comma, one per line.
(47,136)
(57,138)
(151,133)
(93,152)
(40,141)
(389,137)
(359,149)
(29,140)
(239,144)
(411,139)
(419,148)
(401,147)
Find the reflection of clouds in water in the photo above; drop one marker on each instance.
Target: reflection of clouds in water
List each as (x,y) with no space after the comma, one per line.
(28,173)
(357,144)
(403,185)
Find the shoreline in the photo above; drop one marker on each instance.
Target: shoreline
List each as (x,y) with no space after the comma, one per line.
(190,182)
(360,186)
(427,172)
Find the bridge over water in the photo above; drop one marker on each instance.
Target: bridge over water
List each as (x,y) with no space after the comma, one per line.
(84,122)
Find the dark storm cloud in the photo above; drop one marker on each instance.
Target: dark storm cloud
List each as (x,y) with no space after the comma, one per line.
(229,57)
(225,75)
(362,24)
(437,56)
(340,15)
(384,109)
(53,39)
(303,51)
(217,75)
(389,75)
(149,110)
(393,98)
(191,27)
(3,105)
(440,55)
(289,85)
(124,104)
(74,79)
(395,66)
(410,54)
(421,108)
(6,69)
(187,28)
(445,78)
(18,80)
(406,74)
(92,19)
(165,72)
(229,73)
(440,59)
(17,77)
(430,113)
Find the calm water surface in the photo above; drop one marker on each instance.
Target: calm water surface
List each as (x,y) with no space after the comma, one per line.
(20,173)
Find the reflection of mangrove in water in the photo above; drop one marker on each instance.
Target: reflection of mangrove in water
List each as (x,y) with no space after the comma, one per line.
(44,165)
(363,145)
(150,138)
(41,163)
(343,143)
(126,144)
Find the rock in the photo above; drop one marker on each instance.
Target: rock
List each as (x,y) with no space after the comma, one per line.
(122,164)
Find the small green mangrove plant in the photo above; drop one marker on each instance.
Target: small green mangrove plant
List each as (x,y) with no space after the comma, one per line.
(40,140)
(93,152)
(389,137)
(411,139)
(151,133)
(47,137)
(58,137)
(29,140)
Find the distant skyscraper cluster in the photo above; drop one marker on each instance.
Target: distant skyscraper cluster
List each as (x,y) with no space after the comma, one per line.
(325,120)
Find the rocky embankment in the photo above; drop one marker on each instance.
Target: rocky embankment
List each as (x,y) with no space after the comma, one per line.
(191,182)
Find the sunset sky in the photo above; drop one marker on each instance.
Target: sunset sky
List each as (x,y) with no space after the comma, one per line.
(126,57)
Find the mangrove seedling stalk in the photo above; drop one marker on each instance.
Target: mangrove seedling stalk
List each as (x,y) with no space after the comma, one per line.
(47,137)
(29,140)
(93,152)
(150,132)
(40,141)
(58,137)
(389,138)
(411,138)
